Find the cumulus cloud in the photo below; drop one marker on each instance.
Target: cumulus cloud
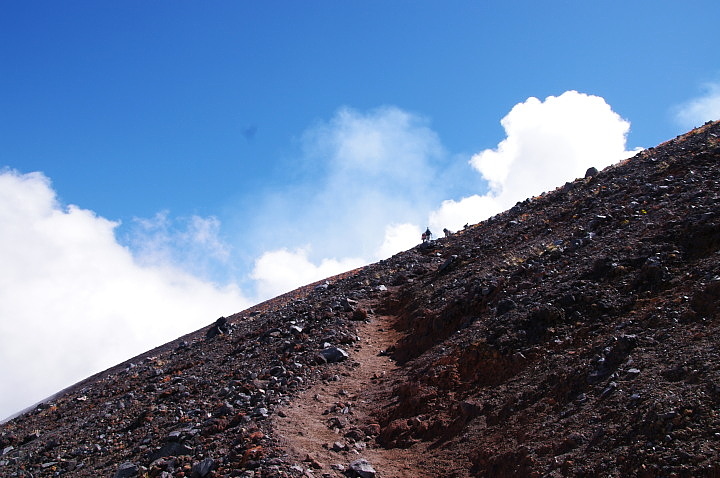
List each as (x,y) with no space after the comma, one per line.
(699,110)
(547,143)
(376,169)
(398,237)
(283,270)
(192,243)
(454,215)
(73,301)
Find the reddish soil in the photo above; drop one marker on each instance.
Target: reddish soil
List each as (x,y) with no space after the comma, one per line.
(343,405)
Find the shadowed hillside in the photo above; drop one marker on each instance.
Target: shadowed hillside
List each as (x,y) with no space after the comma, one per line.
(575,334)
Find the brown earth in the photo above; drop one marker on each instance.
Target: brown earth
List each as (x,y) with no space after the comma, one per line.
(575,334)
(342,405)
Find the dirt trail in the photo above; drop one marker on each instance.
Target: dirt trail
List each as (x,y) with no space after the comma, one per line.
(310,429)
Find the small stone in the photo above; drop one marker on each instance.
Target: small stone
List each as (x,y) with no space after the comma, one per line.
(355,434)
(612,386)
(450,260)
(334,354)
(362,468)
(203,468)
(314,463)
(348,304)
(277,371)
(633,372)
(126,470)
(261,412)
(172,448)
(359,314)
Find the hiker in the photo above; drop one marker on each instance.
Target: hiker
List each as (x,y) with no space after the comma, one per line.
(427,235)
(447,232)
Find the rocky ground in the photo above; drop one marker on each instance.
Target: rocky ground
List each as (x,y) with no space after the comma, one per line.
(574,335)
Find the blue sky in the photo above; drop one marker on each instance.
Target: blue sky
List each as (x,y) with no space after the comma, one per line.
(163,156)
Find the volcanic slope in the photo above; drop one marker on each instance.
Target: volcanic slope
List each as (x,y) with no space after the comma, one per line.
(575,334)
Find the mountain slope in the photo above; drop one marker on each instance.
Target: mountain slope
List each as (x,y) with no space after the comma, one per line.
(572,335)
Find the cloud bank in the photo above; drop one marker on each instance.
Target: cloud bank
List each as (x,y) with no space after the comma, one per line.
(699,110)
(73,301)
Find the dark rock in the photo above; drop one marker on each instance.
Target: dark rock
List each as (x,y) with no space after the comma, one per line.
(260,412)
(359,314)
(612,386)
(504,306)
(706,301)
(223,410)
(203,468)
(675,374)
(632,373)
(172,448)
(620,350)
(126,470)
(322,286)
(277,371)
(333,354)
(652,274)
(448,262)
(220,327)
(355,434)
(31,436)
(348,305)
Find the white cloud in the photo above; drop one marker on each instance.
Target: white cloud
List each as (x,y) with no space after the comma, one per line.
(280,271)
(398,237)
(454,215)
(547,143)
(699,110)
(73,301)
(192,243)
(376,169)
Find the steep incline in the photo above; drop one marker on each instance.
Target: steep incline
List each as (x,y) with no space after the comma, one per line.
(573,335)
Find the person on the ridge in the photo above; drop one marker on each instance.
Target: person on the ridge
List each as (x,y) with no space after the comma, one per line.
(427,235)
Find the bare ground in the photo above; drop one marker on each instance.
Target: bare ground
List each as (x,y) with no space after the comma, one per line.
(309,425)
